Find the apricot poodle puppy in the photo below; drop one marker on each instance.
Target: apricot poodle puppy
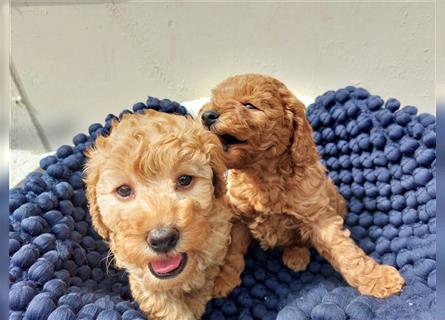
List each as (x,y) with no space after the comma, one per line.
(156,189)
(278,185)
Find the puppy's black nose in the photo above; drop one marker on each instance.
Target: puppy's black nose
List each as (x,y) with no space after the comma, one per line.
(163,239)
(209,117)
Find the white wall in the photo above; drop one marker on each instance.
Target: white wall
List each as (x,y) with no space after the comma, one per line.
(79,62)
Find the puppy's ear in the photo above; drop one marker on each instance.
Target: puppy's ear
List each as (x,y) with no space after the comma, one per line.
(303,149)
(91,173)
(216,153)
(219,184)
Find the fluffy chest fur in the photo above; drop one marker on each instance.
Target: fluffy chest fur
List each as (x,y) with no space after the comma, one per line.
(277,207)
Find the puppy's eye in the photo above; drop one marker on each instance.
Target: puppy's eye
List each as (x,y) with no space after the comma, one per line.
(124,191)
(184,181)
(248,105)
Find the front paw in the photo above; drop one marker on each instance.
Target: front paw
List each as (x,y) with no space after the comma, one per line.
(382,282)
(224,285)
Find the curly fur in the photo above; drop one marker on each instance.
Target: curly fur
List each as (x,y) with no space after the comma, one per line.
(149,152)
(279,187)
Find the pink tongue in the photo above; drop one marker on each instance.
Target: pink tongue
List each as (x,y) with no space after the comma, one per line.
(167,264)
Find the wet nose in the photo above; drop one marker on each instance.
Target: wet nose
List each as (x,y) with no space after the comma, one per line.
(209,117)
(163,239)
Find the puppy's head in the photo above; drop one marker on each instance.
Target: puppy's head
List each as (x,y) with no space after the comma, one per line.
(153,185)
(256,117)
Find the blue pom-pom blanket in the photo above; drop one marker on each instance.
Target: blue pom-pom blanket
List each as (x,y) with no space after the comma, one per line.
(382,159)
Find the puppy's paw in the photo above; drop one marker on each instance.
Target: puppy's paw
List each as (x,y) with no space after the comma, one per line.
(383,282)
(224,285)
(296,258)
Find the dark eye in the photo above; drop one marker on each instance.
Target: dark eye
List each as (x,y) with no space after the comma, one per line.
(124,191)
(248,105)
(184,181)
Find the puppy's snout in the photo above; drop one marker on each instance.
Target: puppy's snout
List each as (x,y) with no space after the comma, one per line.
(209,117)
(163,239)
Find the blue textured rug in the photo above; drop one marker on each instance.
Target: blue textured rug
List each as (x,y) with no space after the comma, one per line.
(381,158)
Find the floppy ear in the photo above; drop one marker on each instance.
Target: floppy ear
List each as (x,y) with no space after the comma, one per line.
(216,153)
(303,149)
(219,184)
(91,173)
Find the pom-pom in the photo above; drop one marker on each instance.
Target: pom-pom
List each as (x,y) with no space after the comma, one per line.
(244,300)
(291,313)
(64,151)
(20,297)
(58,171)
(14,245)
(16,201)
(46,201)
(41,271)
(16,315)
(40,307)
(328,99)
(78,214)
(63,190)
(52,217)
(328,311)
(76,181)
(62,313)
(402,118)
(432,280)
(94,127)
(55,287)
(35,184)
(229,308)
(429,139)
(45,242)
(47,161)
(25,256)
(79,138)
(342,95)
(89,311)
(423,267)
(63,275)
(259,311)
(426,119)
(374,103)
(258,291)
(360,93)
(26,210)
(79,198)
(61,231)
(54,258)
(358,310)
(392,104)
(109,315)
(422,176)
(72,300)
(132,315)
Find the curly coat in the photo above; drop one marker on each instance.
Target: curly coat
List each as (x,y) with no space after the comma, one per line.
(149,152)
(278,186)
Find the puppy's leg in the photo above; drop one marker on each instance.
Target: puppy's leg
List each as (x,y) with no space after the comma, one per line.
(362,272)
(296,258)
(230,272)
(336,200)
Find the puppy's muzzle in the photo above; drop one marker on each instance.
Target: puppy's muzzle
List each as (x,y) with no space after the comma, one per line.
(209,117)
(163,240)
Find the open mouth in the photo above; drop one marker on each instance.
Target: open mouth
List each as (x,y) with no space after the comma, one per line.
(228,140)
(168,266)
